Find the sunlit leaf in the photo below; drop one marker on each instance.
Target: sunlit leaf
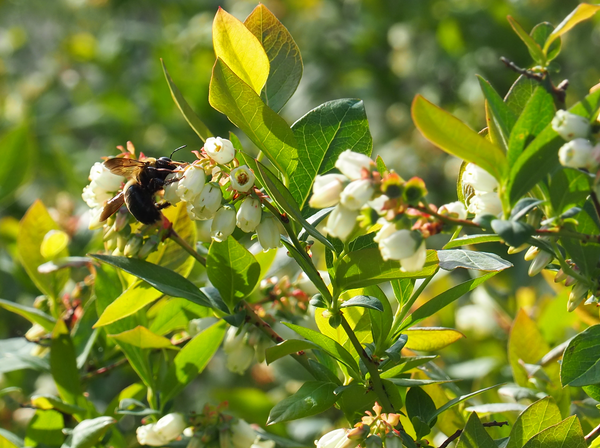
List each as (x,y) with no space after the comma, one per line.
(582,12)
(33,315)
(525,344)
(566,434)
(429,339)
(537,417)
(312,398)
(474,435)
(468,240)
(133,299)
(87,433)
(581,362)
(143,338)
(470,259)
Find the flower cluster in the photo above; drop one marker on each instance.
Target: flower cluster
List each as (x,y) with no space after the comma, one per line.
(484,199)
(162,432)
(579,151)
(102,187)
(361,194)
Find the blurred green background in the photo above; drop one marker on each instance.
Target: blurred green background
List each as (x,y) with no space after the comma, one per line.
(78,77)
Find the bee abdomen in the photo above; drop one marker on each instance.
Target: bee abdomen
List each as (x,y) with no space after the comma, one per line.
(140,203)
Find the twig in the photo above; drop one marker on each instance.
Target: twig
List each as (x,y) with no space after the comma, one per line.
(458,432)
(185,245)
(523,71)
(103,370)
(593,434)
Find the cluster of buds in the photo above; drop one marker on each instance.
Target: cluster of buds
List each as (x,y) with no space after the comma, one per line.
(484,199)
(539,260)
(165,430)
(362,195)
(579,151)
(214,429)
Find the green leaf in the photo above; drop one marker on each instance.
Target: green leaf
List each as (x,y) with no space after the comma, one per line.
(456,138)
(469,259)
(503,116)
(163,279)
(535,50)
(322,135)
(237,47)
(585,256)
(537,114)
(366,267)
(328,345)
(468,240)
(474,435)
(268,131)
(581,361)
(519,94)
(133,299)
(283,198)
(312,398)
(45,429)
(415,382)
(407,364)
(232,270)
(540,34)
(541,156)
(287,347)
(87,433)
(523,207)
(143,338)
(537,417)
(582,12)
(365,302)
(34,226)
(192,360)
(10,440)
(444,299)
(514,233)
(15,354)
(190,116)
(33,315)
(457,400)
(46,402)
(306,265)
(133,391)
(568,188)
(429,339)
(419,405)
(283,54)
(525,345)
(17,160)
(566,434)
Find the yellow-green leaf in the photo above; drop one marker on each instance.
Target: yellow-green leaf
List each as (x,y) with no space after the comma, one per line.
(525,344)
(136,297)
(240,50)
(53,243)
(429,339)
(143,338)
(455,137)
(583,12)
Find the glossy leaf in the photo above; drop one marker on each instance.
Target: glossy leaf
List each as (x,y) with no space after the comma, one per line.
(366,267)
(88,432)
(514,233)
(237,47)
(429,339)
(520,93)
(419,407)
(283,54)
(474,435)
(322,135)
(537,417)
(566,434)
(34,226)
(585,256)
(456,138)
(133,299)
(33,315)
(503,116)
(287,347)
(469,259)
(15,354)
(244,108)
(312,398)
(568,188)
(143,338)
(582,12)
(364,302)
(408,363)
(232,269)
(192,360)
(468,240)
(581,361)
(415,382)
(442,300)
(535,50)
(523,207)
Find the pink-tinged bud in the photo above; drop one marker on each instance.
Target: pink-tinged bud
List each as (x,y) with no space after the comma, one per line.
(539,263)
(249,215)
(570,126)
(268,233)
(219,149)
(352,164)
(454,210)
(577,153)
(242,179)
(327,190)
(577,295)
(357,193)
(479,179)
(341,222)
(223,223)
(570,281)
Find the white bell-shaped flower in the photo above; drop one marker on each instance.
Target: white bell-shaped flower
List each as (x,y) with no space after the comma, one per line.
(249,215)
(170,426)
(208,202)
(485,204)
(352,164)
(570,126)
(171,185)
(331,439)
(327,190)
(455,210)
(341,222)
(219,149)
(479,179)
(147,435)
(400,244)
(577,153)
(192,183)
(242,434)
(268,233)
(242,178)
(415,262)
(104,179)
(357,193)
(223,223)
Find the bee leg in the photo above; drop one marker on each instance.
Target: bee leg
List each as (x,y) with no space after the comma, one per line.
(162,205)
(156,184)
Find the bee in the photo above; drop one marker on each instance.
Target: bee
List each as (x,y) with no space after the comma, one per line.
(146,178)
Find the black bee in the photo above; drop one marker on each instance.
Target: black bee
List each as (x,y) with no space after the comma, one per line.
(146,178)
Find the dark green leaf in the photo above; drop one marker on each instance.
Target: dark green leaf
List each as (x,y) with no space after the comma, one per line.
(523,207)
(364,302)
(322,135)
(410,382)
(585,256)
(407,364)
(88,432)
(312,398)
(474,435)
(503,116)
(514,233)
(568,188)
(33,315)
(472,239)
(520,93)
(232,269)
(535,50)
(287,347)
(17,159)
(420,405)
(581,360)
(540,34)
(469,259)
(307,266)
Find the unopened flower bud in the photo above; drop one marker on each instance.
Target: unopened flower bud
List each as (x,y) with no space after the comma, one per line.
(268,233)
(249,215)
(133,246)
(35,333)
(570,281)
(170,426)
(577,295)
(223,223)
(379,204)
(341,222)
(357,193)
(479,179)
(570,126)
(147,435)
(242,434)
(149,246)
(414,189)
(531,253)
(219,149)
(515,250)
(352,164)
(577,153)
(327,190)
(539,263)
(242,179)
(454,210)
(192,183)
(560,276)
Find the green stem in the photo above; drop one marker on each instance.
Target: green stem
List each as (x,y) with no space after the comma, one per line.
(558,232)
(565,266)
(403,310)
(184,244)
(371,366)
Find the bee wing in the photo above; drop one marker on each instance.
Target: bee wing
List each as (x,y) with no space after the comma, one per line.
(112,206)
(124,167)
